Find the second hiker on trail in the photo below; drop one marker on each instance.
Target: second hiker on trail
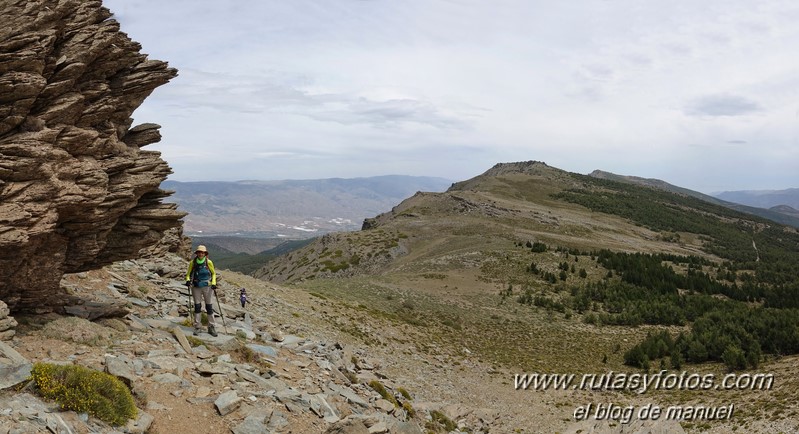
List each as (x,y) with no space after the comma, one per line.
(201,279)
(243,297)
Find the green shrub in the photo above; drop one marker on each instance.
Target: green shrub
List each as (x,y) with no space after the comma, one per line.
(405,393)
(194,341)
(378,387)
(538,247)
(85,390)
(409,410)
(440,422)
(245,354)
(350,375)
(734,358)
(189,320)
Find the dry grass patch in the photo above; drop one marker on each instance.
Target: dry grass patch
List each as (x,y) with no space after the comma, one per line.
(79,331)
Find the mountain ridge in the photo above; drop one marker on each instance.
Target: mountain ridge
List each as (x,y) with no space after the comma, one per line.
(493,195)
(310,207)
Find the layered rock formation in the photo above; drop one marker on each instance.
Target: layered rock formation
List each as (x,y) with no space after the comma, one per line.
(76,190)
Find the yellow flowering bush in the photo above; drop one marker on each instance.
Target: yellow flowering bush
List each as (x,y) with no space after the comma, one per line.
(85,390)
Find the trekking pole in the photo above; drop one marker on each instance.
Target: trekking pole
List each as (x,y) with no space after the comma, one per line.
(221,312)
(191,304)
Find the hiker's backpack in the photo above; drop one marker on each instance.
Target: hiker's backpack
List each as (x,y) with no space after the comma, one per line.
(200,274)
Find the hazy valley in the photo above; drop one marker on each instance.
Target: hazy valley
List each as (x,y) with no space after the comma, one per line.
(291,208)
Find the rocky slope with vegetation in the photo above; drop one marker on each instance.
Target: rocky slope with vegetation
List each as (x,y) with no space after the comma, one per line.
(290,362)
(535,269)
(267,371)
(307,361)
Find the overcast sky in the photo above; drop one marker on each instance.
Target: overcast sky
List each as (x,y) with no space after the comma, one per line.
(701,94)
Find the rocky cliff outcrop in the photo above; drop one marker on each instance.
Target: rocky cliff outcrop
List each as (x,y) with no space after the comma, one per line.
(76,190)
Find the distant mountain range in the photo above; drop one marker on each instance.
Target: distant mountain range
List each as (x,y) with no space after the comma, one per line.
(298,209)
(779,206)
(532,201)
(292,208)
(763,198)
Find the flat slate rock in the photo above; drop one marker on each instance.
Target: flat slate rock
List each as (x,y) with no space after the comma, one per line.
(14,368)
(263,349)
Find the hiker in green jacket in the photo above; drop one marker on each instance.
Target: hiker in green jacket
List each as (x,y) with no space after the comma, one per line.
(201,280)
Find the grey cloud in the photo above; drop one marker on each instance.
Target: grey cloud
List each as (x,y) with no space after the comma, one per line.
(677,49)
(230,93)
(638,59)
(722,105)
(586,92)
(591,80)
(598,72)
(248,95)
(715,145)
(757,28)
(717,38)
(384,113)
(586,86)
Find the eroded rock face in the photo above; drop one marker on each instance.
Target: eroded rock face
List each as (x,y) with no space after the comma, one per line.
(76,190)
